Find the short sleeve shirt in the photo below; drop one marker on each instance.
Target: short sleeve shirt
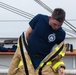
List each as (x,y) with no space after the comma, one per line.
(43,37)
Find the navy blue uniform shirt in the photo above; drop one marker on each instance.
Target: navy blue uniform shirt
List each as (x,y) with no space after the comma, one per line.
(43,37)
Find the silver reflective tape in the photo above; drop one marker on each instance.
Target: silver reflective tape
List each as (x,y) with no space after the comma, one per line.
(24,49)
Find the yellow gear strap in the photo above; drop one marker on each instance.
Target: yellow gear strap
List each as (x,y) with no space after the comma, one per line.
(56,48)
(21,63)
(57,64)
(18,45)
(61,53)
(30,62)
(41,64)
(48,63)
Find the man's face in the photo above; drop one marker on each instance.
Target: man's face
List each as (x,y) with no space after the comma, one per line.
(54,24)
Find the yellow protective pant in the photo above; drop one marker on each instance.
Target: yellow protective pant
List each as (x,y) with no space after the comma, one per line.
(51,68)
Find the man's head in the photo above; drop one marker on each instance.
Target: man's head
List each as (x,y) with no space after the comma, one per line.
(57,19)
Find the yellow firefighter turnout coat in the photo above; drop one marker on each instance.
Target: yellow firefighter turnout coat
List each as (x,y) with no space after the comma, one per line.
(47,66)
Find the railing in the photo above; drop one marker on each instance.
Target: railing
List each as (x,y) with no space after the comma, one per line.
(67,53)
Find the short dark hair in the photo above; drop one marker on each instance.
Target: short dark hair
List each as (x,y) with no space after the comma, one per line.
(59,14)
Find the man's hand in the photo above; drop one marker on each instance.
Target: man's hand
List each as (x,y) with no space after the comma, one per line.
(61,71)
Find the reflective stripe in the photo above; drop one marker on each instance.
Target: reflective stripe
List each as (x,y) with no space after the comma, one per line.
(21,63)
(57,64)
(48,63)
(18,45)
(41,64)
(61,53)
(57,48)
(24,49)
(30,62)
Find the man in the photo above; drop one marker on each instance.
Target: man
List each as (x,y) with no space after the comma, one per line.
(43,33)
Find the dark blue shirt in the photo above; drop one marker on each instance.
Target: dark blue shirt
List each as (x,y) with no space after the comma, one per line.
(43,37)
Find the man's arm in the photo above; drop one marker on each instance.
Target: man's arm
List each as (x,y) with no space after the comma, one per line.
(28,32)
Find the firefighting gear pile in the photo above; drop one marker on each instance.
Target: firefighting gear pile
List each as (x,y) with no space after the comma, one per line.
(4,49)
(49,65)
